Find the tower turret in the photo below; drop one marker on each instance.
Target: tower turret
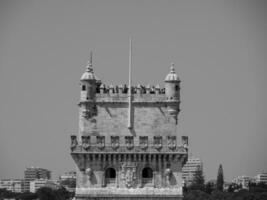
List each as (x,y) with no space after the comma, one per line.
(172,92)
(88,82)
(172,85)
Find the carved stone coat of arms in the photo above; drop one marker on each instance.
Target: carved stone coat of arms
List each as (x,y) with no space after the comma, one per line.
(129,174)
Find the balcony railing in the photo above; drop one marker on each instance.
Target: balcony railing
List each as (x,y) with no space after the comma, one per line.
(110,181)
(147,182)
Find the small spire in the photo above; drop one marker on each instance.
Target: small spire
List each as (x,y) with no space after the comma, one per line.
(172,68)
(89,67)
(172,76)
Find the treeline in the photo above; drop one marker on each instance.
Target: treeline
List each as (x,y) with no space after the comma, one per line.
(255,192)
(198,190)
(44,193)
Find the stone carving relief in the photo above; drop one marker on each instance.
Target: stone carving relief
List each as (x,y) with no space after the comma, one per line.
(129,142)
(168,173)
(129,174)
(185,142)
(86,142)
(89,112)
(171,142)
(100,141)
(86,114)
(143,142)
(89,173)
(158,142)
(74,142)
(115,142)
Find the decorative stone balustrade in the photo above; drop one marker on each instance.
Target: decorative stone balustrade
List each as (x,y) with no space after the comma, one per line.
(156,146)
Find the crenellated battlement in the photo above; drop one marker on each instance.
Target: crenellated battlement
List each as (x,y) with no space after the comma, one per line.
(120,93)
(124,89)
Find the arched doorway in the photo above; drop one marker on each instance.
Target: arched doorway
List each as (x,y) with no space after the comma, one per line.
(110,176)
(147,176)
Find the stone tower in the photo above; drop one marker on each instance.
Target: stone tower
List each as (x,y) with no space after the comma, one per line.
(128,146)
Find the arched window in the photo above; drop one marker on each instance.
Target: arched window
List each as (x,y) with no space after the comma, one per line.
(110,176)
(147,176)
(83,87)
(147,172)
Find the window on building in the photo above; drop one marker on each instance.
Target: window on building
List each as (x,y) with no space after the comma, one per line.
(147,175)
(110,176)
(110,173)
(83,87)
(176,87)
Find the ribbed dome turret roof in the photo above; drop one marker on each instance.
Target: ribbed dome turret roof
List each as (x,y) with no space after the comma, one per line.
(172,76)
(89,72)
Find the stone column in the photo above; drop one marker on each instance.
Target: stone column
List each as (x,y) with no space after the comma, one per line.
(160,170)
(117,176)
(103,179)
(153,180)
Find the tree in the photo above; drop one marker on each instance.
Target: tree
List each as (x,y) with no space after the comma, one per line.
(197,195)
(26,196)
(220,179)
(198,182)
(209,187)
(46,193)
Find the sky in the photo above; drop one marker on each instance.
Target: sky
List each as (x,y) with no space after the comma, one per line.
(219,52)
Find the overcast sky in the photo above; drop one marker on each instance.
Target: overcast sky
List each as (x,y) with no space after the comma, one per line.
(219,51)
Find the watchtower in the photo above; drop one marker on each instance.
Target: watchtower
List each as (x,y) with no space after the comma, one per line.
(127,146)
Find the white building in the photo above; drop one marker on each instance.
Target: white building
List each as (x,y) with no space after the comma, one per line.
(13,185)
(190,168)
(68,180)
(243,181)
(261,178)
(68,175)
(38,183)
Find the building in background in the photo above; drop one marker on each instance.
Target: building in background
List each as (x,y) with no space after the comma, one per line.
(13,185)
(243,181)
(39,183)
(68,180)
(33,173)
(127,146)
(261,178)
(190,168)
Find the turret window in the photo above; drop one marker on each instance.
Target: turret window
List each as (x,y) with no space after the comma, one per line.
(176,88)
(83,87)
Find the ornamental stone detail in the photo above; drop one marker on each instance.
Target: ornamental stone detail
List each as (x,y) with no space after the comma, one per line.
(129,142)
(158,142)
(100,141)
(129,174)
(172,142)
(74,142)
(115,142)
(86,142)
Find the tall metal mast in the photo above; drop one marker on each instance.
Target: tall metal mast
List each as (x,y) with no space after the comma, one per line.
(130,87)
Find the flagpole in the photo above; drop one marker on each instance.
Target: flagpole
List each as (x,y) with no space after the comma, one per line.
(130,86)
